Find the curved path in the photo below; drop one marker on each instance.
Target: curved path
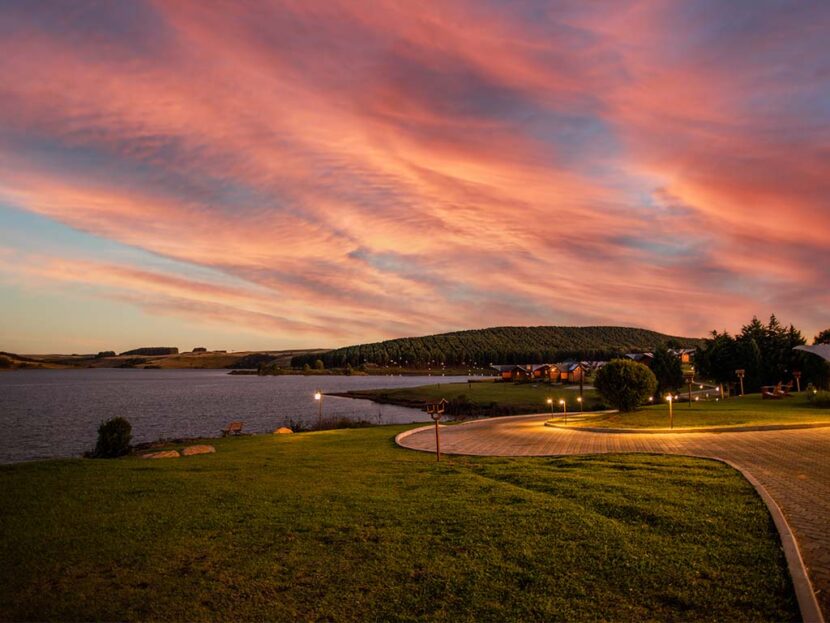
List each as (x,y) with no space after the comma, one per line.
(792,465)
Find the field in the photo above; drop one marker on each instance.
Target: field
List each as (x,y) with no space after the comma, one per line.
(514,397)
(749,410)
(345,526)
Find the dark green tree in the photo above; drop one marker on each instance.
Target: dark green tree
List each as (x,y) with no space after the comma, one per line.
(625,384)
(718,358)
(667,369)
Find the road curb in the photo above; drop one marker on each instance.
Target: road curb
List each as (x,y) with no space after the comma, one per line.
(804,592)
(680,431)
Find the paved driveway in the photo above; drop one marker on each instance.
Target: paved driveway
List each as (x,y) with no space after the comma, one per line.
(793,466)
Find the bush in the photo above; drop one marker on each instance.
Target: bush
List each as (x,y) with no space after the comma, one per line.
(819,398)
(5,362)
(625,384)
(114,438)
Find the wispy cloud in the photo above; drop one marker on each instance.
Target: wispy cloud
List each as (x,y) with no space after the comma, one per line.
(360,174)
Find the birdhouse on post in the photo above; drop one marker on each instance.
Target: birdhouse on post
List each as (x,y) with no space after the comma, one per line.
(436,411)
(741,373)
(689,377)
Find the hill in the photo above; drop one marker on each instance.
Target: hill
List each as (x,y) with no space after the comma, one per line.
(480,347)
(198,359)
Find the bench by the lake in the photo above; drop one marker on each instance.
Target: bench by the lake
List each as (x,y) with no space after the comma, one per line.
(234,428)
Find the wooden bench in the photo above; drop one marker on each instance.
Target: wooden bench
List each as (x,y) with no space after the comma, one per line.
(234,428)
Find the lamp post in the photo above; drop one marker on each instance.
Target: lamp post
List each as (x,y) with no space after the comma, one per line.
(318,396)
(741,373)
(671,412)
(797,377)
(550,402)
(579,400)
(564,409)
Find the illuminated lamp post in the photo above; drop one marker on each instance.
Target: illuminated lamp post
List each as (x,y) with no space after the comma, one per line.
(669,399)
(579,400)
(564,409)
(550,402)
(318,396)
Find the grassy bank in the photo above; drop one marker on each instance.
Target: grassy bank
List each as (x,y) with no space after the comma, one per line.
(486,398)
(343,526)
(749,410)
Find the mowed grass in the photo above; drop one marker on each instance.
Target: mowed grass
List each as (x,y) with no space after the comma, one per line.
(749,410)
(524,397)
(344,526)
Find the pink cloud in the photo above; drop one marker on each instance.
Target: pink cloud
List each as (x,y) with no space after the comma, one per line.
(416,168)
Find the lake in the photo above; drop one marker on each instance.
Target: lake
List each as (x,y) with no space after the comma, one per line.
(56,413)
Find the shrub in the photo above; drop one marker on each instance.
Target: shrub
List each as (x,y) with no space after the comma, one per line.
(319,365)
(5,362)
(819,398)
(114,438)
(625,384)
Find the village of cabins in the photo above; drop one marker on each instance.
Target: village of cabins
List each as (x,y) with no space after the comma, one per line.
(573,371)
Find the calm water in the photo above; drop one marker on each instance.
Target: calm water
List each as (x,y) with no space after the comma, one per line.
(55,413)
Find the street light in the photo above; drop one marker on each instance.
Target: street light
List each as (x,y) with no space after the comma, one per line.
(579,400)
(671,413)
(550,402)
(564,409)
(318,396)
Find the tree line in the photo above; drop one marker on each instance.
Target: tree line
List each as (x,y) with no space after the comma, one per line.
(478,348)
(765,352)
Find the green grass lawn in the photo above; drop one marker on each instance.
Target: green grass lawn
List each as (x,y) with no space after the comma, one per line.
(344,526)
(516,397)
(749,410)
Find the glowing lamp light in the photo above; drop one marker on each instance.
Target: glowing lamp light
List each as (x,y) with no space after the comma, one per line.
(318,396)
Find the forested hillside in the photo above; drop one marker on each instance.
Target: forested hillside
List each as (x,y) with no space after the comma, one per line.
(480,347)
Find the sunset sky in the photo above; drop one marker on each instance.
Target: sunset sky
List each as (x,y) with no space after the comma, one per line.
(247,175)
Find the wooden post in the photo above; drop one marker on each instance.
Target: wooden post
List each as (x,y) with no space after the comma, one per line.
(437,440)
(690,378)
(797,375)
(436,410)
(671,412)
(741,372)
